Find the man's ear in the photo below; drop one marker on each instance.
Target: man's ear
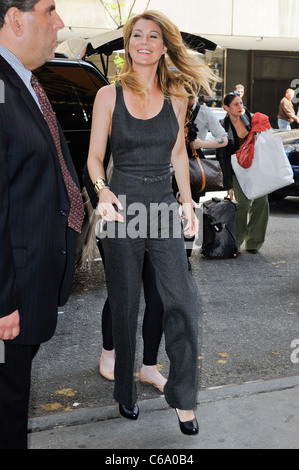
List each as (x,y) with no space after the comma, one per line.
(15,18)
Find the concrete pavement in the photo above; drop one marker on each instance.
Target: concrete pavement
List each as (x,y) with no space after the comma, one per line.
(255,415)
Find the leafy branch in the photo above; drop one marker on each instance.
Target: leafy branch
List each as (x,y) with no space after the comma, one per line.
(116,6)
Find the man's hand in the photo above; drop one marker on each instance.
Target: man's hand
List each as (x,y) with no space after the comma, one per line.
(10,326)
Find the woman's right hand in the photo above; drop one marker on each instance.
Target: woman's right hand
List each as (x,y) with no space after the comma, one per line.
(105,207)
(230,194)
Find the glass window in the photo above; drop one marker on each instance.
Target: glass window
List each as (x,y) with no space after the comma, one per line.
(215,60)
(71,91)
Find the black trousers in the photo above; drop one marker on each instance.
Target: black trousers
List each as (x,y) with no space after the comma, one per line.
(15,379)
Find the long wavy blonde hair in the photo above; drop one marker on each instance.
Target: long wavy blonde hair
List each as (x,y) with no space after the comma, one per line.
(180,74)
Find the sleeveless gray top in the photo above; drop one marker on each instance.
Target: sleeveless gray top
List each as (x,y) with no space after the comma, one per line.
(142,146)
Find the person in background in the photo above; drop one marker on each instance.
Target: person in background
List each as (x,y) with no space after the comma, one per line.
(252,216)
(206,121)
(41,207)
(241,89)
(286,112)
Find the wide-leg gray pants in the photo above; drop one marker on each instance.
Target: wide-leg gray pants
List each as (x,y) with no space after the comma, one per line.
(124,257)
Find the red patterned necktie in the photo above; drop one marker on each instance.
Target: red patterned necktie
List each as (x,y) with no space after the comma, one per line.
(77,212)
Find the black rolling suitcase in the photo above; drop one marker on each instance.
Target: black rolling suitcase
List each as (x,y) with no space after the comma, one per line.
(219,229)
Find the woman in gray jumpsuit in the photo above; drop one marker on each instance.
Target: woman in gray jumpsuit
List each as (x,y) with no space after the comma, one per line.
(144,114)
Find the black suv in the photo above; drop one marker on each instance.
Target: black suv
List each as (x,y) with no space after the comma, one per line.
(71,86)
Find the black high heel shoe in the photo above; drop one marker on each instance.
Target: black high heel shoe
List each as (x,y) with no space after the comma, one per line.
(190,428)
(128,413)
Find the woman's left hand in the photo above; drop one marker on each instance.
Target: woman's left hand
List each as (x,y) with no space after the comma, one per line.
(192,226)
(230,194)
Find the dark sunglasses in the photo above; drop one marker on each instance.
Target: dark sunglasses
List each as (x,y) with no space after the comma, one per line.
(234,93)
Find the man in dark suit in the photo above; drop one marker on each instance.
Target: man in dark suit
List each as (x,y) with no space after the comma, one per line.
(41,209)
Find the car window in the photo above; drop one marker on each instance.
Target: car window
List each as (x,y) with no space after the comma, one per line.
(71,90)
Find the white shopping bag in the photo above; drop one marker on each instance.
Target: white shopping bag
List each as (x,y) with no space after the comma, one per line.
(270,169)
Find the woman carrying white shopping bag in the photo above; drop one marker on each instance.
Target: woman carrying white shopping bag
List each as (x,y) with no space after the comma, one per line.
(252,215)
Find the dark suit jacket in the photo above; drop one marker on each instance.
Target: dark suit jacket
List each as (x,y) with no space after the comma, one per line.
(37,246)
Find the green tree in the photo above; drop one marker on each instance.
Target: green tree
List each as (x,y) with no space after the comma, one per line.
(114,9)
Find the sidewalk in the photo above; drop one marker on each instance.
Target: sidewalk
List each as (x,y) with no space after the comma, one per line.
(255,415)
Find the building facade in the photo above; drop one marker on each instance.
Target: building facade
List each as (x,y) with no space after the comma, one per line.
(257,40)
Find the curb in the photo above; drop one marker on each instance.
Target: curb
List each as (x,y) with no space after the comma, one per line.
(103,413)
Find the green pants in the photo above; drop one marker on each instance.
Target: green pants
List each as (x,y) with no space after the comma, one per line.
(252,219)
